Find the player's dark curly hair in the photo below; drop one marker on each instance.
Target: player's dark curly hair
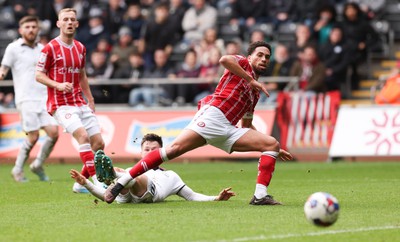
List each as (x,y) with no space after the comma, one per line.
(256,44)
(152,137)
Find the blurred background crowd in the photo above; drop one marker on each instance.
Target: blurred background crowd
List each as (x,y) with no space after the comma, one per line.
(322,42)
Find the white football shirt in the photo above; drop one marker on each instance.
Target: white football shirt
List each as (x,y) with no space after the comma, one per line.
(22,60)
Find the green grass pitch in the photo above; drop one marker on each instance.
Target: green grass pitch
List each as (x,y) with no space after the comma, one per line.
(368,194)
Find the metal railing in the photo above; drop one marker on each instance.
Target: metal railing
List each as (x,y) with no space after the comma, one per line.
(291,80)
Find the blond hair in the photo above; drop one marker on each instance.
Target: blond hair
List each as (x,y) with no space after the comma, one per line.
(64,10)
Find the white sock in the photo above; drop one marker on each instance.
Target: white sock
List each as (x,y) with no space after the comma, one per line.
(121,174)
(23,155)
(131,183)
(45,151)
(125,179)
(261,191)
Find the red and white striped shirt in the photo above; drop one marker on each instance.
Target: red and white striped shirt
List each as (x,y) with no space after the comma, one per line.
(233,95)
(63,63)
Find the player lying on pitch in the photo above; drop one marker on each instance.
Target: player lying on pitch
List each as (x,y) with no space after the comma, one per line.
(153,186)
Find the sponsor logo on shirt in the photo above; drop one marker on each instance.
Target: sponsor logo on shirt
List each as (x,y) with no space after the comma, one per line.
(69,70)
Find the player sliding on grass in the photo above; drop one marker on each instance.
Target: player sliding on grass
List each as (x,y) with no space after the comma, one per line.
(153,186)
(234,99)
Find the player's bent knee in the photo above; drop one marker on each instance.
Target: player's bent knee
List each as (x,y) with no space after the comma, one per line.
(272,145)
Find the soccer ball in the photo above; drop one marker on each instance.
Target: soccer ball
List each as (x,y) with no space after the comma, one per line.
(321,209)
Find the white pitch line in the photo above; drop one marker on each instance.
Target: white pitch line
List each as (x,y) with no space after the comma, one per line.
(320,233)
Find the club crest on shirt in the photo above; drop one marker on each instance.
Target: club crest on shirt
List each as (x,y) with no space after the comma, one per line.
(59,57)
(201,124)
(67,115)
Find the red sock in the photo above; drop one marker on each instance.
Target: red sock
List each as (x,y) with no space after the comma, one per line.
(150,161)
(87,158)
(85,172)
(266,166)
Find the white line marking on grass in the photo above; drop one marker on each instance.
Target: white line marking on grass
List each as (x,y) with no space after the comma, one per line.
(320,233)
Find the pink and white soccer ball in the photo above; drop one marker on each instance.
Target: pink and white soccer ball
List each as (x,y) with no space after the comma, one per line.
(321,209)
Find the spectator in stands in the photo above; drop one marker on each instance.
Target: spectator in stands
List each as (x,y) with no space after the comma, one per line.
(177,9)
(210,72)
(323,25)
(307,11)
(207,44)
(310,70)
(233,47)
(122,49)
(135,70)
(303,38)
(255,35)
(197,19)
(335,54)
(147,7)
(147,93)
(82,8)
(246,13)
(48,12)
(99,68)
(158,34)
(91,34)
(6,100)
(120,59)
(280,65)
(371,9)
(115,10)
(104,46)
(361,37)
(135,21)
(183,93)
(280,11)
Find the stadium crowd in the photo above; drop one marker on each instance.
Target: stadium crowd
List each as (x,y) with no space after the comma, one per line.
(321,42)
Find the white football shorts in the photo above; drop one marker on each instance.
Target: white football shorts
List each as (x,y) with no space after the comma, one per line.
(214,127)
(71,118)
(160,185)
(33,118)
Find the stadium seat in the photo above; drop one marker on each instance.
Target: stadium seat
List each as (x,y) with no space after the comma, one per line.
(224,15)
(228,32)
(178,52)
(384,47)
(383,28)
(286,32)
(6,17)
(392,14)
(266,28)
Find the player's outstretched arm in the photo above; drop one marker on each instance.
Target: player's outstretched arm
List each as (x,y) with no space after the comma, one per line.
(225,194)
(96,191)
(78,177)
(190,195)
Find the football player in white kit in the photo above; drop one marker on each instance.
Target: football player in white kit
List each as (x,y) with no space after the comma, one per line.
(21,57)
(153,186)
